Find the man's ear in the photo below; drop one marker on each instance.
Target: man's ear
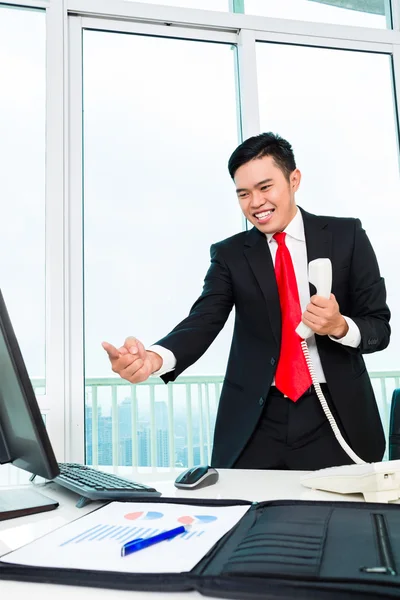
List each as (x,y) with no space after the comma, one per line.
(295,178)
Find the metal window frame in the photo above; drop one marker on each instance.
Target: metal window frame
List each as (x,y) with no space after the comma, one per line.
(190,17)
(74,425)
(395,12)
(64,269)
(156,30)
(56,187)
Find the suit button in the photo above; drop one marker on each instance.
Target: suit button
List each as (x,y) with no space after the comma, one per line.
(273,361)
(261,401)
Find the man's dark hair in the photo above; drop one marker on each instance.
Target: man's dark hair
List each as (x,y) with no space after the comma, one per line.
(264,144)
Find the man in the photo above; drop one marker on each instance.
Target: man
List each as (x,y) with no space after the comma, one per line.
(269,416)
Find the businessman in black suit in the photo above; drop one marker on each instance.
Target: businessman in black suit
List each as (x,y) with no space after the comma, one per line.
(269,416)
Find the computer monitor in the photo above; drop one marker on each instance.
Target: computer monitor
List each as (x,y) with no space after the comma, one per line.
(23,437)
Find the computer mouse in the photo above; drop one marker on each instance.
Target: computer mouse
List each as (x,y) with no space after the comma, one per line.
(197,477)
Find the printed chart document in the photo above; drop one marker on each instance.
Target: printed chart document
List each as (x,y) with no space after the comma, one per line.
(94,541)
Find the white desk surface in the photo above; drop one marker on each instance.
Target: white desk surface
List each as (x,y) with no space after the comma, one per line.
(233,484)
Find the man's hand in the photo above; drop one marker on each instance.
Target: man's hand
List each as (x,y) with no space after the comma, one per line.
(323,316)
(132,362)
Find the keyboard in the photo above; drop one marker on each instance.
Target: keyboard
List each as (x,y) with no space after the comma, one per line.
(92,484)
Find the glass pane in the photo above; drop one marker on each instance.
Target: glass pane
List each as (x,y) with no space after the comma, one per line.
(222,5)
(22,181)
(337,110)
(362,13)
(159,125)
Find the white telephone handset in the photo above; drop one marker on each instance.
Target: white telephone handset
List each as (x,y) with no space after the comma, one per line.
(320,275)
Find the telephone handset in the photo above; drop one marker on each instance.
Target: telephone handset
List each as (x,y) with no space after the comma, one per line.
(320,275)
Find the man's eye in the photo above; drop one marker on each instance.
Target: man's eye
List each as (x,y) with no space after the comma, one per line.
(265,187)
(242,195)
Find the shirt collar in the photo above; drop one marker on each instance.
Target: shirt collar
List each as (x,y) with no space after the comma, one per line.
(295,229)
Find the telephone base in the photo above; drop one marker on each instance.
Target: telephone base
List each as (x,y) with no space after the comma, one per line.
(383,497)
(377,482)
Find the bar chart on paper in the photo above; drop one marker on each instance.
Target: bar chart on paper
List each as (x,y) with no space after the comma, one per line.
(121,534)
(94,541)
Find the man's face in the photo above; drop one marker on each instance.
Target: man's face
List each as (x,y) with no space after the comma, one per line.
(266,197)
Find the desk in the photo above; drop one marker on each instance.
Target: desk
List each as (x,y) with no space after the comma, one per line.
(232,484)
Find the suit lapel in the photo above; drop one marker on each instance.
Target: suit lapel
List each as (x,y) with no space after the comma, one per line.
(260,260)
(318,244)
(318,238)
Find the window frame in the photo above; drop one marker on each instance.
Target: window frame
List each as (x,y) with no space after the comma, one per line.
(65,20)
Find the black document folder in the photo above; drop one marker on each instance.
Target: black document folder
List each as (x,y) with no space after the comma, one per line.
(279,549)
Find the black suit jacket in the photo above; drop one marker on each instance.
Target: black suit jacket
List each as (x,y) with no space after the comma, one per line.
(241,275)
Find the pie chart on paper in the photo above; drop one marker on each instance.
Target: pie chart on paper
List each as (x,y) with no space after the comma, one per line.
(196,519)
(145,516)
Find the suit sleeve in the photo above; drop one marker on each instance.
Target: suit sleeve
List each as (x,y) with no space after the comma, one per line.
(369,310)
(192,337)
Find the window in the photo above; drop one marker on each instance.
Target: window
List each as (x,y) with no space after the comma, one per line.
(362,13)
(203,4)
(22,181)
(159,125)
(337,110)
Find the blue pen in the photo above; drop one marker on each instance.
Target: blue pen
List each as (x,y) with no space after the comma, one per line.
(140,543)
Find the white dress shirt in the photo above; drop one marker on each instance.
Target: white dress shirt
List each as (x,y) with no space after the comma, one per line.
(296,244)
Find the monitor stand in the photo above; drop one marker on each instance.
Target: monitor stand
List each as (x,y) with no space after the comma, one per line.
(20,501)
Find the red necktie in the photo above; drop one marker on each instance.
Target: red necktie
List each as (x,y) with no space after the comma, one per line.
(292,377)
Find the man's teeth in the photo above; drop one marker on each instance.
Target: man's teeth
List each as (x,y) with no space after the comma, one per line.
(264,214)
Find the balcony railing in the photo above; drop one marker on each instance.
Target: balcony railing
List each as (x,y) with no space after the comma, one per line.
(176,428)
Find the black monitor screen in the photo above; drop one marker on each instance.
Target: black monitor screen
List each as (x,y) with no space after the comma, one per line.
(23,437)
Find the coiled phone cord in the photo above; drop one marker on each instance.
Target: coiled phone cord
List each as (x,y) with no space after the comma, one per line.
(326,409)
